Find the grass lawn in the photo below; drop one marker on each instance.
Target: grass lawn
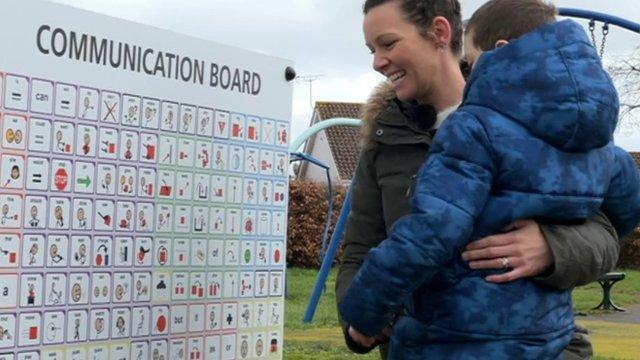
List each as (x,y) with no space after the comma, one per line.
(322,339)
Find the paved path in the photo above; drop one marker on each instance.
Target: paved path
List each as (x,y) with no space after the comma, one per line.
(611,340)
(632,315)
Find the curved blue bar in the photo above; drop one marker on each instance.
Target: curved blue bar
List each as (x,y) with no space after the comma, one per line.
(606,18)
(319,127)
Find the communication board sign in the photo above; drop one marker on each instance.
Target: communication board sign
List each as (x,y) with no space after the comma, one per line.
(143,191)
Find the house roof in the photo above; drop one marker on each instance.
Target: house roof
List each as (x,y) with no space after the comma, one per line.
(327,109)
(636,157)
(343,140)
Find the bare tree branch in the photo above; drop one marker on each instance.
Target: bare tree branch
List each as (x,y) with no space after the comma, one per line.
(626,75)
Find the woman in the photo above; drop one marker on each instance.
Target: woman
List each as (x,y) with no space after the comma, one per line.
(407,45)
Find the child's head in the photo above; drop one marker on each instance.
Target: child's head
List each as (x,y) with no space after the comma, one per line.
(497,22)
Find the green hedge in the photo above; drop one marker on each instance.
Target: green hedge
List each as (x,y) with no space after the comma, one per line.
(630,251)
(307,216)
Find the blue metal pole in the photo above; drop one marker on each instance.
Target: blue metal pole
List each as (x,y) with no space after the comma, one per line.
(606,18)
(325,233)
(328,259)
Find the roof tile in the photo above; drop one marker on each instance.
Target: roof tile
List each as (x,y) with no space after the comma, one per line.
(636,157)
(343,140)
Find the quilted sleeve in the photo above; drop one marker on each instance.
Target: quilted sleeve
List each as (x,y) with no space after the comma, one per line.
(451,190)
(622,201)
(582,253)
(365,229)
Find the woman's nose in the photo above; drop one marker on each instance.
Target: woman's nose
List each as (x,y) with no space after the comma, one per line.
(379,62)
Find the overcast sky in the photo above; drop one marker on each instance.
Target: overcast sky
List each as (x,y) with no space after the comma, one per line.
(322,37)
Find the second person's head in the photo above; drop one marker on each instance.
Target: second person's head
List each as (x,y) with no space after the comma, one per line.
(498,22)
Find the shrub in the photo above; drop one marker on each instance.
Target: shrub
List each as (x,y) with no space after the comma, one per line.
(630,252)
(306,219)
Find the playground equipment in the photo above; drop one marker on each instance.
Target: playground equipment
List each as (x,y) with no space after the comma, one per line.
(299,156)
(606,20)
(334,244)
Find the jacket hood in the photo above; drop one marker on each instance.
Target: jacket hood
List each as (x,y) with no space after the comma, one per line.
(551,81)
(394,121)
(379,100)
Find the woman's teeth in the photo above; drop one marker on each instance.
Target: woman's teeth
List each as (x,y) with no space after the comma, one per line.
(396,76)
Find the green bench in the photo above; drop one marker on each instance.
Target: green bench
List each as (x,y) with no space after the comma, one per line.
(607,281)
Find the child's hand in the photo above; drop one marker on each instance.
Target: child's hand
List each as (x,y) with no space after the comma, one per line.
(523,250)
(361,339)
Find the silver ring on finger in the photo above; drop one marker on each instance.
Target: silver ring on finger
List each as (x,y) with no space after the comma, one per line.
(505,262)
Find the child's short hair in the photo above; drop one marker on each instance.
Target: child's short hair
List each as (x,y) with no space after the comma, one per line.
(508,20)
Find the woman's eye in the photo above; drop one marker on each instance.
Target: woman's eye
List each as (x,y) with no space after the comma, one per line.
(389,44)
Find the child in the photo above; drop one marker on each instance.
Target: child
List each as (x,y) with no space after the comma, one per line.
(531,140)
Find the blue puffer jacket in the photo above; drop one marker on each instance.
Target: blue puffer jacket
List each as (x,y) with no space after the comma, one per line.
(532,140)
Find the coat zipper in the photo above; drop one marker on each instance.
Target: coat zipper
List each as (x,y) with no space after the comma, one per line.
(411,185)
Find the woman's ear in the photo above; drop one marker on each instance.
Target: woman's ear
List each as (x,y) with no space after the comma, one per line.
(441,29)
(501,43)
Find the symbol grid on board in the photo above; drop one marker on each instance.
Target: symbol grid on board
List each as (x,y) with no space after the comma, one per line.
(82,182)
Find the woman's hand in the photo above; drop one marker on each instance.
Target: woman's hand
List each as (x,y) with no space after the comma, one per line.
(523,249)
(361,339)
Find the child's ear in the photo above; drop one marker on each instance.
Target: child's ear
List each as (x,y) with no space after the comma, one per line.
(501,43)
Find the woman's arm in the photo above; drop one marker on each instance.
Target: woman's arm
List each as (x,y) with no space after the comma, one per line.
(365,229)
(581,253)
(562,256)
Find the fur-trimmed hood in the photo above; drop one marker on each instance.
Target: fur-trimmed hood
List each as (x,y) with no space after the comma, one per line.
(387,120)
(379,101)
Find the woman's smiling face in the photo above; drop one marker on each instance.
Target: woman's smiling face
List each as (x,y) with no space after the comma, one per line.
(406,57)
